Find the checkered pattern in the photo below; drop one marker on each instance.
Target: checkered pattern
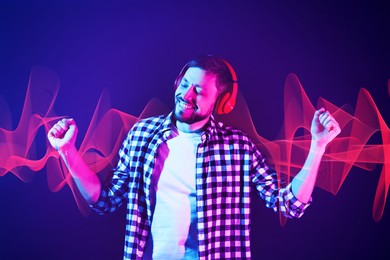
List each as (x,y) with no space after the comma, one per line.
(228,165)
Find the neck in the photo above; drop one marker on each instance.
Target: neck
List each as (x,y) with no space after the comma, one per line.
(188,128)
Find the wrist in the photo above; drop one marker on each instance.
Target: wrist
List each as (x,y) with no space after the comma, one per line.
(317,147)
(67,153)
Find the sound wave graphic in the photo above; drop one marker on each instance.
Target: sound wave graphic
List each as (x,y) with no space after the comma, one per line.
(108,128)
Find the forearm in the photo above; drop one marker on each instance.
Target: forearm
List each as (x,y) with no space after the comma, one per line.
(304,182)
(86,180)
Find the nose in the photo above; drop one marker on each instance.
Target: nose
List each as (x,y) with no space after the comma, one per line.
(189,93)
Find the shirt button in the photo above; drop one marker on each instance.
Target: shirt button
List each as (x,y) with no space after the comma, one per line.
(142,243)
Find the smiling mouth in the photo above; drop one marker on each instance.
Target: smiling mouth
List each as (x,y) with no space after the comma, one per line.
(185,105)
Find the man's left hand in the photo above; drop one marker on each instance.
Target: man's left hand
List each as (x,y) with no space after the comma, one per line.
(324,128)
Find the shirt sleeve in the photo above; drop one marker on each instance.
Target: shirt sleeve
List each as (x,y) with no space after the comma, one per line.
(273,190)
(115,191)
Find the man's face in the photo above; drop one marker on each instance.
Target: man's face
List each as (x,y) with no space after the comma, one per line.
(195,96)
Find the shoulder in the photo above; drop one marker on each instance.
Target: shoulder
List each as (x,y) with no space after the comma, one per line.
(231,133)
(237,139)
(149,123)
(146,127)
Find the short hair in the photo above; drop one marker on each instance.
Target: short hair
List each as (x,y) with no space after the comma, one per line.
(216,66)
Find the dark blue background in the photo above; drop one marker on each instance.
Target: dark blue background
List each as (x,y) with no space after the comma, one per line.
(135,49)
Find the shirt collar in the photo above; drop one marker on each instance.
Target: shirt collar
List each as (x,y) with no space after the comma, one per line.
(169,122)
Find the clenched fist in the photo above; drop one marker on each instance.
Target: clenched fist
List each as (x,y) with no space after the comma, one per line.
(324,127)
(62,136)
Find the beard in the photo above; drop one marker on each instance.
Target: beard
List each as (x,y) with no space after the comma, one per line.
(188,119)
(188,116)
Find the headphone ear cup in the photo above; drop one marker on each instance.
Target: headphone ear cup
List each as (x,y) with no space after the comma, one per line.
(227,102)
(222,104)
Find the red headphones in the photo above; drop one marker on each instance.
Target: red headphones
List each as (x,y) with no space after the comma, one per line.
(226,100)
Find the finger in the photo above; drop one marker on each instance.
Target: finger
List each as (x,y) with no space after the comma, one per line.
(63,125)
(317,114)
(330,122)
(326,121)
(323,117)
(59,131)
(325,114)
(71,125)
(68,122)
(329,125)
(54,131)
(51,137)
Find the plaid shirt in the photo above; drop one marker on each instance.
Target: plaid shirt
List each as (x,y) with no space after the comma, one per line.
(228,165)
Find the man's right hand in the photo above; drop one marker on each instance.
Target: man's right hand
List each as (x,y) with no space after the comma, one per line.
(62,136)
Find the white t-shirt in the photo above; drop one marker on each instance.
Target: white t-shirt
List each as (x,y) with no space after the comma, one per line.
(173,231)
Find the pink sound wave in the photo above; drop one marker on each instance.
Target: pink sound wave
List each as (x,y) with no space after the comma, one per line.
(349,149)
(109,126)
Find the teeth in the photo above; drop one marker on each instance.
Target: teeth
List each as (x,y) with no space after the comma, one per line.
(185,105)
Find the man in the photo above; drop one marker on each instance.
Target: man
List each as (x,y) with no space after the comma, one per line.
(187,178)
